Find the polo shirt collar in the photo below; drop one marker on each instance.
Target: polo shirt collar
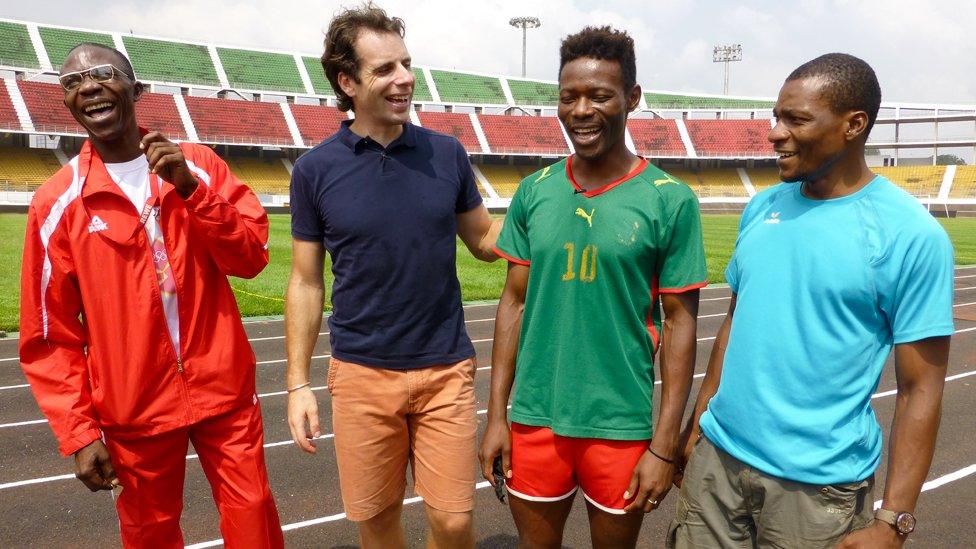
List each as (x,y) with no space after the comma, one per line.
(408,138)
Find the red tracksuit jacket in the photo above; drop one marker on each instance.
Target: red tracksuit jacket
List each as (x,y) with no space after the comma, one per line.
(94,342)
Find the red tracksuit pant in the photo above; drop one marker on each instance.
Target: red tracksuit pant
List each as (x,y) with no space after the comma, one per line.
(151,471)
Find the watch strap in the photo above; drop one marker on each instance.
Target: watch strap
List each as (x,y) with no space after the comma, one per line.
(884,515)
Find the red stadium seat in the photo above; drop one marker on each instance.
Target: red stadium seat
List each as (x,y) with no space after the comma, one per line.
(230,121)
(452,123)
(656,137)
(315,122)
(45,103)
(524,134)
(730,138)
(8,116)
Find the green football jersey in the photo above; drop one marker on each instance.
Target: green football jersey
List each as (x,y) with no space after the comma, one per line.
(598,261)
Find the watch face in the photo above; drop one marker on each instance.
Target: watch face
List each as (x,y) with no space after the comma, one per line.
(905,523)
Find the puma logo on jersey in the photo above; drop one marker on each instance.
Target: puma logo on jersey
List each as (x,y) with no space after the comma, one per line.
(665,181)
(587,216)
(545,172)
(97,225)
(772,219)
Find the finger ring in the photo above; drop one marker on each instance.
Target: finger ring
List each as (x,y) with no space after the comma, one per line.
(653,502)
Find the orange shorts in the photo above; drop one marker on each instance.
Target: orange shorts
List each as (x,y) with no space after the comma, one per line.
(550,467)
(384,419)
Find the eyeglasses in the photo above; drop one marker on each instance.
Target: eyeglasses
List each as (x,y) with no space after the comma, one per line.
(99,73)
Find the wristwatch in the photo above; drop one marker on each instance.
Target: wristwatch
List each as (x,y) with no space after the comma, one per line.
(903,523)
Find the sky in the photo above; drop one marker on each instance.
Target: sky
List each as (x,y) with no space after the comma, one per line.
(922,51)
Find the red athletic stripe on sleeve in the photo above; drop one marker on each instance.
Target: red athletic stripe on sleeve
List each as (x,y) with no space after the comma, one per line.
(683,289)
(510,258)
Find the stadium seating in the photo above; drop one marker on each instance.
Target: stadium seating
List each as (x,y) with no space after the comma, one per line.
(262,175)
(656,137)
(315,122)
(763,178)
(527,92)
(30,167)
(456,87)
(964,184)
(524,134)
(166,61)
(504,178)
(921,181)
(421,92)
(456,124)
(16,49)
(730,138)
(8,116)
(58,42)
(157,111)
(258,70)
(711,183)
(45,102)
(319,83)
(656,100)
(229,121)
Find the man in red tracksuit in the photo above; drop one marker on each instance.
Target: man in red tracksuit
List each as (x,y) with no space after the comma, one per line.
(130,335)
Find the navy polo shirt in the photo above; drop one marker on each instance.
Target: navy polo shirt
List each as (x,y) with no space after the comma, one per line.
(387,216)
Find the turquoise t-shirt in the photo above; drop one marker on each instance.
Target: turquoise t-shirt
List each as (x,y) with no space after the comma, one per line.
(825,289)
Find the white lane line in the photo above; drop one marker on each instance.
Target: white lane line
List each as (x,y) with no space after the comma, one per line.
(930,485)
(966,276)
(9,359)
(320,520)
(966,288)
(21,423)
(14,387)
(331,435)
(964,304)
(944,479)
(700,340)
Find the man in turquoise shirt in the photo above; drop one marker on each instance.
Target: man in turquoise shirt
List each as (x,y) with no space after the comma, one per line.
(830,272)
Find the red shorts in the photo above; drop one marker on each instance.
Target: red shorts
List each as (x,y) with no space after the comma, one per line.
(550,467)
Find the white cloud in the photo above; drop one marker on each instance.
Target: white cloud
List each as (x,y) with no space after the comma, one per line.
(921,50)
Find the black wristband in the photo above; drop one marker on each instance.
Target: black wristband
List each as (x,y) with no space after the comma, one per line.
(659,456)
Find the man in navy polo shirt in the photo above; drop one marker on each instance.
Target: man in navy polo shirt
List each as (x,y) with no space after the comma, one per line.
(386,199)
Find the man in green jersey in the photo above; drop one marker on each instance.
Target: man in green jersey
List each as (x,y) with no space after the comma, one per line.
(597,244)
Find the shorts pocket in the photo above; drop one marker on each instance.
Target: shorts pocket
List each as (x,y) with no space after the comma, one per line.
(331,377)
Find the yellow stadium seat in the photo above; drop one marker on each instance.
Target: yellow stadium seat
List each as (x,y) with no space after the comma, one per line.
(964,184)
(21,166)
(504,179)
(262,175)
(921,181)
(712,183)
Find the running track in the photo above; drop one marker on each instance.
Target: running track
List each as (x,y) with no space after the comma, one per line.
(44,506)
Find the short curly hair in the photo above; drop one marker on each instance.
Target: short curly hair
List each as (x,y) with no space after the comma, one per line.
(604,43)
(849,84)
(340,44)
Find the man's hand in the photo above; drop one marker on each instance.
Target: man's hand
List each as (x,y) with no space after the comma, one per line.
(303,418)
(166,160)
(649,484)
(686,445)
(93,466)
(497,440)
(880,535)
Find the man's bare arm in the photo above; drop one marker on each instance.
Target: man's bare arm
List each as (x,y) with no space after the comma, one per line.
(479,232)
(920,367)
(303,318)
(508,324)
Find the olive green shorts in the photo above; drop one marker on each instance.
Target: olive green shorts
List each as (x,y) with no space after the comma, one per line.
(726,503)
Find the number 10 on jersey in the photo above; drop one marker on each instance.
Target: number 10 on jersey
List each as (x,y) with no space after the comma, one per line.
(587,271)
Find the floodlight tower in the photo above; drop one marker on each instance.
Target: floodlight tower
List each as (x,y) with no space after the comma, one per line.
(524,23)
(727,54)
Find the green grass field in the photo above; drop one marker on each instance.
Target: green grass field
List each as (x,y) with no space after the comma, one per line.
(264,295)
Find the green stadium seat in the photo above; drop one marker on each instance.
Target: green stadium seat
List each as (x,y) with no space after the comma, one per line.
(176,62)
(319,83)
(527,92)
(260,70)
(656,100)
(16,49)
(456,87)
(420,90)
(58,42)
